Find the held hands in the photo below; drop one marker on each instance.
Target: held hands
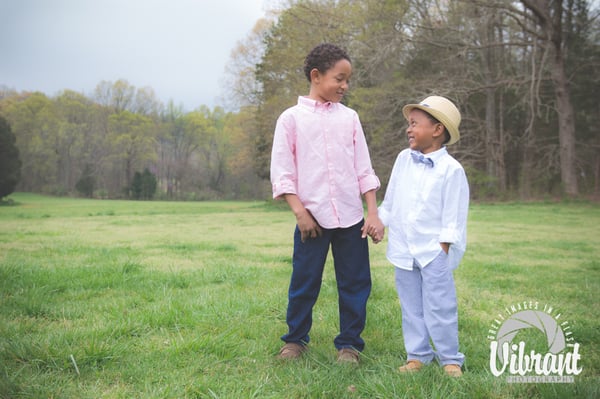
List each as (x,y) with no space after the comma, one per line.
(309,228)
(374,228)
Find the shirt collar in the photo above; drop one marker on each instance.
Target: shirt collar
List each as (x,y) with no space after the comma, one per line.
(437,154)
(315,105)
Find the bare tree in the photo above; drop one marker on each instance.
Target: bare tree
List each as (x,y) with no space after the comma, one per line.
(548,16)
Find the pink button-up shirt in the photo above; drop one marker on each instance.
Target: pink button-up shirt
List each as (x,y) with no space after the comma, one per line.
(321,155)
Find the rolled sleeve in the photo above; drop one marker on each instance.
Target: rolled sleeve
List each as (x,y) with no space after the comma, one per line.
(385,209)
(368,183)
(367,179)
(283,168)
(384,215)
(450,235)
(283,187)
(456,207)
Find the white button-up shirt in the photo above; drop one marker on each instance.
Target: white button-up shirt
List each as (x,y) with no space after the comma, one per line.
(423,207)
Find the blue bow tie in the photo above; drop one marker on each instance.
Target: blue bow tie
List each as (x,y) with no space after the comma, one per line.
(418,157)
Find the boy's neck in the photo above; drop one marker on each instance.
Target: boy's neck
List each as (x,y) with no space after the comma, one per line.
(314,96)
(433,148)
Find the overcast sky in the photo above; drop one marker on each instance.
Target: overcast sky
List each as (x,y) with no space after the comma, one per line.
(177,47)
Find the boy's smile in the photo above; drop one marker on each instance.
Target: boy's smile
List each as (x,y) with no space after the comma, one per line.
(331,85)
(423,133)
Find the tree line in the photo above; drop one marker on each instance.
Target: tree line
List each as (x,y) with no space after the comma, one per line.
(524,73)
(122,142)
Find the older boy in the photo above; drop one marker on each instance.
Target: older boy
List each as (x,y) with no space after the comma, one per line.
(320,165)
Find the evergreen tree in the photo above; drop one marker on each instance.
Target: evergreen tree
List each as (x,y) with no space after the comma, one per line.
(148,183)
(136,186)
(143,186)
(86,184)
(10,163)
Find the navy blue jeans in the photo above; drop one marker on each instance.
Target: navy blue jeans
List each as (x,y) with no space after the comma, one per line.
(353,275)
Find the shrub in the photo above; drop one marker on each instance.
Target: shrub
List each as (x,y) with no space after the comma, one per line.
(10,163)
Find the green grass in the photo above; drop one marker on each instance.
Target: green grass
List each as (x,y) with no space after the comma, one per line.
(117,299)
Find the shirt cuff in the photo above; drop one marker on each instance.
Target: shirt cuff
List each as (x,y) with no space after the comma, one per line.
(368,183)
(449,235)
(283,187)
(384,216)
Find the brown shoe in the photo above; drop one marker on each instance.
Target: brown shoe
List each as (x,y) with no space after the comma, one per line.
(453,370)
(291,350)
(412,366)
(348,355)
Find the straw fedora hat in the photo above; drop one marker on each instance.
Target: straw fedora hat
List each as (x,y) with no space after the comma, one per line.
(441,109)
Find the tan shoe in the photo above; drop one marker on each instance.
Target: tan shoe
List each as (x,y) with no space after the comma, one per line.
(348,355)
(291,350)
(412,366)
(453,370)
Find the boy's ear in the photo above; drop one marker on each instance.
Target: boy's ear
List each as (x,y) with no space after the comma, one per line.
(314,75)
(439,130)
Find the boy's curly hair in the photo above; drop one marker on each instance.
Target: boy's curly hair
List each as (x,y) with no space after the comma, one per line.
(323,57)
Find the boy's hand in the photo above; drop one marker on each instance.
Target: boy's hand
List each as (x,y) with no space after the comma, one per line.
(374,228)
(308,226)
(445,247)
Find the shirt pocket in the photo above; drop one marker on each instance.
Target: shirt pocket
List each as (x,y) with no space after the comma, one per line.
(432,187)
(342,136)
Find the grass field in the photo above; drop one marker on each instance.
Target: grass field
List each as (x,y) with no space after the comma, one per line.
(117,299)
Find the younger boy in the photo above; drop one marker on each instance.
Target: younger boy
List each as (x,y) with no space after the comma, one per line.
(320,164)
(425,208)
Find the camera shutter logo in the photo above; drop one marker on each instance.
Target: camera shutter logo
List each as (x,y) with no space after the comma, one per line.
(552,366)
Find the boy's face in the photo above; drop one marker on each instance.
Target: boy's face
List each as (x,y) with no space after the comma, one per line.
(423,134)
(331,85)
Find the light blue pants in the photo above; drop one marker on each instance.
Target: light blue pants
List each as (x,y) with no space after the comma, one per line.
(429,312)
